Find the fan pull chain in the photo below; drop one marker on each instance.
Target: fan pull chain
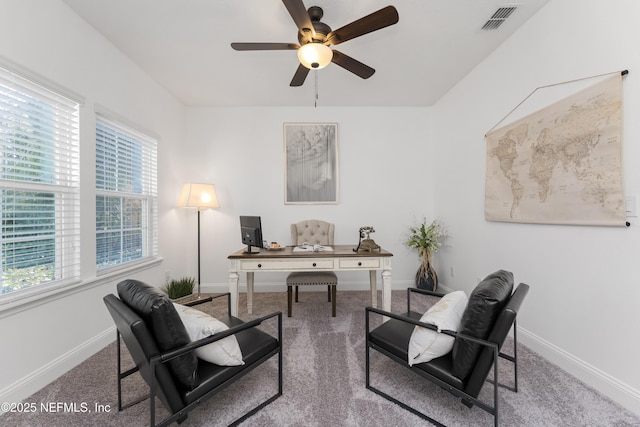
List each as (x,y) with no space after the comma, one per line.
(315,103)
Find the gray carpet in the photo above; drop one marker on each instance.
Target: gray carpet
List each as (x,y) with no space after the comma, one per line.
(324,383)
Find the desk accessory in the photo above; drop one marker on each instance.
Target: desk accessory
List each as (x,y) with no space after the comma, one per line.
(365,243)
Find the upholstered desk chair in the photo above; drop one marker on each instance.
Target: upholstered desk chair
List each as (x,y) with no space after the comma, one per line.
(313,232)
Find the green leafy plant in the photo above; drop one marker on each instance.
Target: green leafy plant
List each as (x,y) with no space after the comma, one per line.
(425,237)
(178,288)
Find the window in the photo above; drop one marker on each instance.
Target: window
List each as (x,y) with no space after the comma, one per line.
(126,195)
(39,185)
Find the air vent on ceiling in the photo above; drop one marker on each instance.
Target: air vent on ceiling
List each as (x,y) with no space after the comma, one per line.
(498,17)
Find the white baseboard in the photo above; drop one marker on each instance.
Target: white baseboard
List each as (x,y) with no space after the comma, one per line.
(49,372)
(611,387)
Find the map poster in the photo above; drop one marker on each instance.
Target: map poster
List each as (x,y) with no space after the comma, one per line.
(561,164)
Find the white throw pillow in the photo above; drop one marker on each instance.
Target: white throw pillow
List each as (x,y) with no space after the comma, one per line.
(225,352)
(446,314)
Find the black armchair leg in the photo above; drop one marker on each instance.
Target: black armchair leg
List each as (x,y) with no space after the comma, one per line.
(123,375)
(380,392)
(394,400)
(279,393)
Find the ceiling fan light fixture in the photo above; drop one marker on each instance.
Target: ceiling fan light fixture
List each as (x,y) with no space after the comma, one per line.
(315,56)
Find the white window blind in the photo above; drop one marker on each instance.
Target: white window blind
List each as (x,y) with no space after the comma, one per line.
(126,194)
(39,184)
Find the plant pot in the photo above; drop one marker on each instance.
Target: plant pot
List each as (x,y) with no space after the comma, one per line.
(426,277)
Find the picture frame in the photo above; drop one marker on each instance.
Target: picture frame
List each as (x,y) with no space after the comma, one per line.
(310,163)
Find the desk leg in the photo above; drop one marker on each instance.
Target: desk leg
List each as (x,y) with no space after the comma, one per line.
(233,290)
(386,290)
(374,288)
(249,292)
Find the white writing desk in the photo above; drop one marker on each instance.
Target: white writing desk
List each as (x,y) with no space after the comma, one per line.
(342,258)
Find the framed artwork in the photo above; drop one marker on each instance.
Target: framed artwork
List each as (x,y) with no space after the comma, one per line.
(311,163)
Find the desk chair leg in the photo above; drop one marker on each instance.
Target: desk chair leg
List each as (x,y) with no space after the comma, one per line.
(333,300)
(296,293)
(289,301)
(329,293)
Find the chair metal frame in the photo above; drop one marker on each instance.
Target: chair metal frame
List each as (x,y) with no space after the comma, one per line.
(468,400)
(169,355)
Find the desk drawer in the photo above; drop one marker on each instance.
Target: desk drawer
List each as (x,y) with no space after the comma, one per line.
(367,263)
(287,265)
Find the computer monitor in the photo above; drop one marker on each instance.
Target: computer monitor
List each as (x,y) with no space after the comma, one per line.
(251,229)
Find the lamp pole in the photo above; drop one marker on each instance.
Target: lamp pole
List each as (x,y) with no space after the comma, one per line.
(198,252)
(199,196)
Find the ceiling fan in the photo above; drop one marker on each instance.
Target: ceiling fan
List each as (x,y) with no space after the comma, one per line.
(315,37)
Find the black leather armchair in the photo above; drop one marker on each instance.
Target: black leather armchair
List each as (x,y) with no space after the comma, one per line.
(479,350)
(150,327)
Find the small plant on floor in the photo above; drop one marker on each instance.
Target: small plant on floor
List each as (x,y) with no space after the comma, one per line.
(178,288)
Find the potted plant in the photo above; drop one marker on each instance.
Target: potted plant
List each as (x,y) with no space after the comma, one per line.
(178,288)
(427,240)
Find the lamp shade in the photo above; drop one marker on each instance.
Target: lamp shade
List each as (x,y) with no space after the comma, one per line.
(200,196)
(315,56)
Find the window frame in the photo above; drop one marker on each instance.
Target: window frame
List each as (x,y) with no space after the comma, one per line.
(65,106)
(148,196)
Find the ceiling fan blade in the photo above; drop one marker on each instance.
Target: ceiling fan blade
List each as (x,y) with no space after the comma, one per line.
(301,17)
(265,46)
(350,64)
(375,21)
(300,76)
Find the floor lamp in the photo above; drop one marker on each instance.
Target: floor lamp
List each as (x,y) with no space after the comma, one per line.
(199,196)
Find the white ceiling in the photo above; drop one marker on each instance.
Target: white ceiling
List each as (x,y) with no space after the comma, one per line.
(185,46)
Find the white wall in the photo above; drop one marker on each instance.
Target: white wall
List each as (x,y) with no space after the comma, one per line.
(45,37)
(385,180)
(582,310)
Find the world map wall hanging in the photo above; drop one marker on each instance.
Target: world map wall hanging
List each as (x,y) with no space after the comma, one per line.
(561,164)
